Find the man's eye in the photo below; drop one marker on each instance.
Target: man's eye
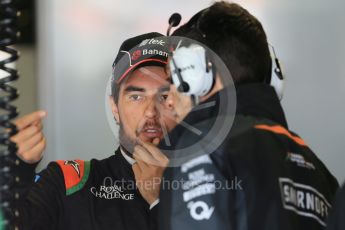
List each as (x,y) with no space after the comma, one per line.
(163,97)
(135,97)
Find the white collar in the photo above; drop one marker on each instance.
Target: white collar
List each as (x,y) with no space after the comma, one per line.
(129,159)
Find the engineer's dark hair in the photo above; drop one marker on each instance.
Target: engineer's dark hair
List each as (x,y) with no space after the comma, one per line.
(236,36)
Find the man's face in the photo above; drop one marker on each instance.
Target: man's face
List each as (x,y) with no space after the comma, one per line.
(140,109)
(178,104)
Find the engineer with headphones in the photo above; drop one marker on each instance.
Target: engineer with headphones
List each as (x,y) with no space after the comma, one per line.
(262,176)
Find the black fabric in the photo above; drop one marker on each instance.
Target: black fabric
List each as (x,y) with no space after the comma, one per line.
(336,220)
(276,181)
(260,100)
(48,207)
(130,43)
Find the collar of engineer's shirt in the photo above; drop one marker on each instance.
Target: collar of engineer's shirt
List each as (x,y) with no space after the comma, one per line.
(129,159)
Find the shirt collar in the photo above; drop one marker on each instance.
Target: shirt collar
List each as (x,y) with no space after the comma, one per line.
(129,159)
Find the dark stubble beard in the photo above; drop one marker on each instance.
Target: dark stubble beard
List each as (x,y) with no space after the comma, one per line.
(125,141)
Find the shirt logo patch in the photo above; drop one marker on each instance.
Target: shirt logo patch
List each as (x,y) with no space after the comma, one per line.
(199,210)
(304,200)
(75,165)
(299,160)
(111,192)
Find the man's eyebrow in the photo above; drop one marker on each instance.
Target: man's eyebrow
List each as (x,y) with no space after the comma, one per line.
(164,88)
(131,88)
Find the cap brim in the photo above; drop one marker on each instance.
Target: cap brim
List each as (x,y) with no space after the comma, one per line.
(145,62)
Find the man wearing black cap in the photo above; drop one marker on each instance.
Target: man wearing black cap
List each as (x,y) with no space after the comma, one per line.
(102,194)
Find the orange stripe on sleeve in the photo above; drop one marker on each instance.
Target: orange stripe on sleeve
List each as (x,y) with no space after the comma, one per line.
(281,130)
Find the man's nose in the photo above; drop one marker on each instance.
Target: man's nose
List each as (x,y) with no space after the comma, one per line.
(170,101)
(151,109)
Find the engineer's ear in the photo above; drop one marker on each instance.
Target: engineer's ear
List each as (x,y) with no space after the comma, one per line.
(114,109)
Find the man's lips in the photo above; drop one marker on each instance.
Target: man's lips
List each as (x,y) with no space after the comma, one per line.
(152,132)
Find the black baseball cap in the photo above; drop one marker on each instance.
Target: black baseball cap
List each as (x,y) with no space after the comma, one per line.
(149,49)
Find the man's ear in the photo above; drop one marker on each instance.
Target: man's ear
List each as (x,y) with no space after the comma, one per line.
(114,109)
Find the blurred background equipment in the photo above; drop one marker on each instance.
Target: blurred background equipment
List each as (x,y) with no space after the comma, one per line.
(8,55)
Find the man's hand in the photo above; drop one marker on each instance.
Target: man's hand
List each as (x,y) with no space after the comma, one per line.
(148,169)
(30,139)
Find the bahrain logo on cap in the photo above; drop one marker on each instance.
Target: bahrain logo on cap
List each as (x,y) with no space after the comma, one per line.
(136,54)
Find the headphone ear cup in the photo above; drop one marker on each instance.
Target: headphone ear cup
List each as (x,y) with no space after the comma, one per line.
(195,70)
(210,66)
(277,78)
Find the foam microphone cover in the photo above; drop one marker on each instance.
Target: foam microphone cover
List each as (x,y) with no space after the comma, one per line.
(175,19)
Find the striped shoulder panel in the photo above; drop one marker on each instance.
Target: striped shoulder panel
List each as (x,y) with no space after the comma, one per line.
(76,173)
(278,129)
